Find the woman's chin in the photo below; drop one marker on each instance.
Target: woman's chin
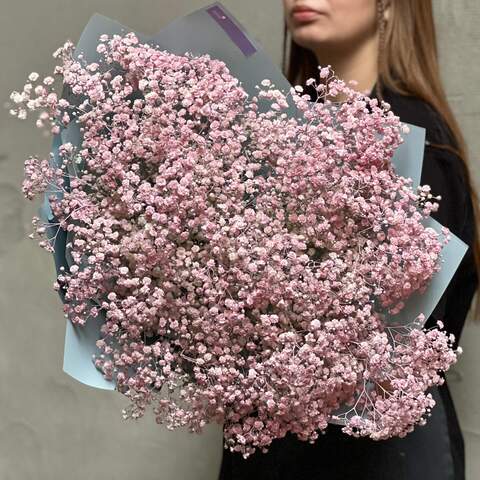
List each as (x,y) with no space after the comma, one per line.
(308,37)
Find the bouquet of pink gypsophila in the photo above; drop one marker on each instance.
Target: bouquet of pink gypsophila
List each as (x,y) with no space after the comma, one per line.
(243,262)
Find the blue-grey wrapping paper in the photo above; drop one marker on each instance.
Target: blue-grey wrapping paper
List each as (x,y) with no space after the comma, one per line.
(213,30)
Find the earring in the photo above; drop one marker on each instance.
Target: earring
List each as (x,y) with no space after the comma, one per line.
(381,23)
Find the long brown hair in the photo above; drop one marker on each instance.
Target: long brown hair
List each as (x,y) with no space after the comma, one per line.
(408,65)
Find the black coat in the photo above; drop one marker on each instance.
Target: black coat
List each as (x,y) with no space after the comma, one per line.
(436,450)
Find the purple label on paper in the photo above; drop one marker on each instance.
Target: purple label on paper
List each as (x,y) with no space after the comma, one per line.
(237,36)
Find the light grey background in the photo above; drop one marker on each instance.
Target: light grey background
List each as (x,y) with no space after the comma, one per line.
(52,427)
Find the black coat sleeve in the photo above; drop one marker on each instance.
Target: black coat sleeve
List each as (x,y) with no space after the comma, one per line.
(444,172)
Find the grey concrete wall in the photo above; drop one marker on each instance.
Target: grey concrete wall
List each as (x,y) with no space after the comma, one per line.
(52,427)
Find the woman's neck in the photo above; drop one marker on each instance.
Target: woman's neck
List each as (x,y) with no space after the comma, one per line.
(359,63)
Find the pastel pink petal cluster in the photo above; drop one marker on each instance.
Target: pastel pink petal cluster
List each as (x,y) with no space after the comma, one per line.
(230,295)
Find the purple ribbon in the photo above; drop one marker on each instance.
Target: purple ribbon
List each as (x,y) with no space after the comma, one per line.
(237,36)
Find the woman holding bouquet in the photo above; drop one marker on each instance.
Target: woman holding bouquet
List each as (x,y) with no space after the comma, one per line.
(389,48)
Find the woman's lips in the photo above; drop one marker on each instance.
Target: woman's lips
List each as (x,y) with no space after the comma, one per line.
(304,15)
